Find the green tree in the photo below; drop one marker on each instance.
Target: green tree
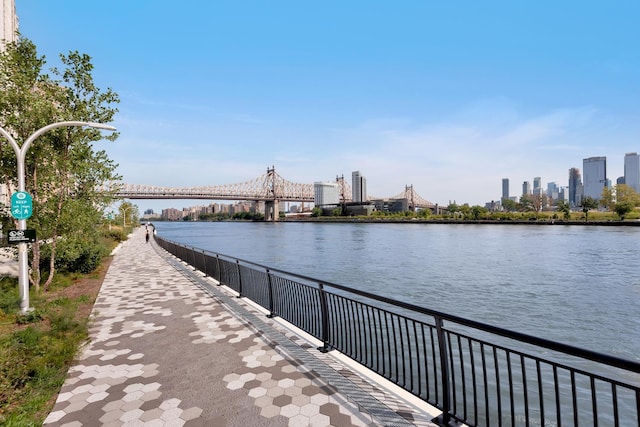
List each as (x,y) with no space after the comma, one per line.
(64,174)
(607,198)
(509,205)
(478,212)
(623,208)
(626,194)
(587,204)
(525,204)
(453,209)
(565,209)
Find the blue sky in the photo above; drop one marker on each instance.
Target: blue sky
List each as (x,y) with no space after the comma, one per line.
(450,97)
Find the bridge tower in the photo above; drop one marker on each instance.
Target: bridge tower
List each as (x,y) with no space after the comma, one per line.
(409,192)
(271,207)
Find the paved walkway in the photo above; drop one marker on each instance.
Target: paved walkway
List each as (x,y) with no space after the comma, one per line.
(170,348)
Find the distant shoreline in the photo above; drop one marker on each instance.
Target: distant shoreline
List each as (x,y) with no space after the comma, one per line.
(635,223)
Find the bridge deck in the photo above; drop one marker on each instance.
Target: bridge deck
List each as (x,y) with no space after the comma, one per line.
(168,347)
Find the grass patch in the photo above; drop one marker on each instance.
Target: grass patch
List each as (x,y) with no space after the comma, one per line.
(37,349)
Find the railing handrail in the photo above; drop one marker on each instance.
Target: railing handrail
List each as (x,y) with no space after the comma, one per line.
(607,359)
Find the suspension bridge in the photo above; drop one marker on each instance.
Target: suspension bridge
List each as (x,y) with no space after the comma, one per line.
(270,188)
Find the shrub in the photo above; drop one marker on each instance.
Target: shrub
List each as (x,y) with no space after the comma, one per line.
(75,254)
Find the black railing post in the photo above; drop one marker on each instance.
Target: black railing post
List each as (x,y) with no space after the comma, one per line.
(270,289)
(239,280)
(324,313)
(445,418)
(218,272)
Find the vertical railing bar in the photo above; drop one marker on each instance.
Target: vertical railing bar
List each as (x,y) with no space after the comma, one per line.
(510,375)
(270,294)
(362,334)
(557,391)
(344,326)
(378,324)
(435,364)
(425,362)
(614,398)
(452,375)
(219,274)
(594,401)
(444,372)
(474,382)
(369,328)
(496,366)
(463,379)
(540,396)
(388,341)
(638,406)
(402,351)
(239,279)
(394,334)
(486,384)
(574,398)
(409,352)
(525,393)
(418,360)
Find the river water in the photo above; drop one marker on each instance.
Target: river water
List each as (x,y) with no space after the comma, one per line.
(579,285)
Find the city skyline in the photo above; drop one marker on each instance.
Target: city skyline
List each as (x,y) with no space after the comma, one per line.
(447,98)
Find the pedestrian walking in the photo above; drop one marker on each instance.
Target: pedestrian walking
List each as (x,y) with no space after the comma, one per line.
(146,237)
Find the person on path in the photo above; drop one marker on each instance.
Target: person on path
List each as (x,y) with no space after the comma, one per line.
(146,237)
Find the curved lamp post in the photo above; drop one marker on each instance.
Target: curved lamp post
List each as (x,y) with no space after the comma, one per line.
(21,153)
(124,217)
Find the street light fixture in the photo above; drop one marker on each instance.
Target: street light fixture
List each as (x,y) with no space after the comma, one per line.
(21,153)
(124,216)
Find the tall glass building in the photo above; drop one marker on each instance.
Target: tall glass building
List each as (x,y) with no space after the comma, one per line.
(505,188)
(595,176)
(575,184)
(632,171)
(358,187)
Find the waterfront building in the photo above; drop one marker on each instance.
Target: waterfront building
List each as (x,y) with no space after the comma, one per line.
(537,183)
(326,194)
(8,23)
(632,171)
(171,214)
(505,188)
(595,176)
(575,186)
(526,188)
(552,190)
(358,187)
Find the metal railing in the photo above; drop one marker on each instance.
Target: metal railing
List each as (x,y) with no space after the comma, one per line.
(475,373)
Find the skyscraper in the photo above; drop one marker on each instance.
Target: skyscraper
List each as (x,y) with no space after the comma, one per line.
(575,182)
(358,187)
(537,183)
(632,171)
(8,23)
(505,188)
(595,176)
(526,188)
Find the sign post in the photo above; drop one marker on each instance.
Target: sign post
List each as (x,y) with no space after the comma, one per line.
(23,206)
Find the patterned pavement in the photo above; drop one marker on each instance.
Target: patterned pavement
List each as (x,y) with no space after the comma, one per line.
(170,348)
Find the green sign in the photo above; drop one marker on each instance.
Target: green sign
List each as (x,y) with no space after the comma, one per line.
(21,205)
